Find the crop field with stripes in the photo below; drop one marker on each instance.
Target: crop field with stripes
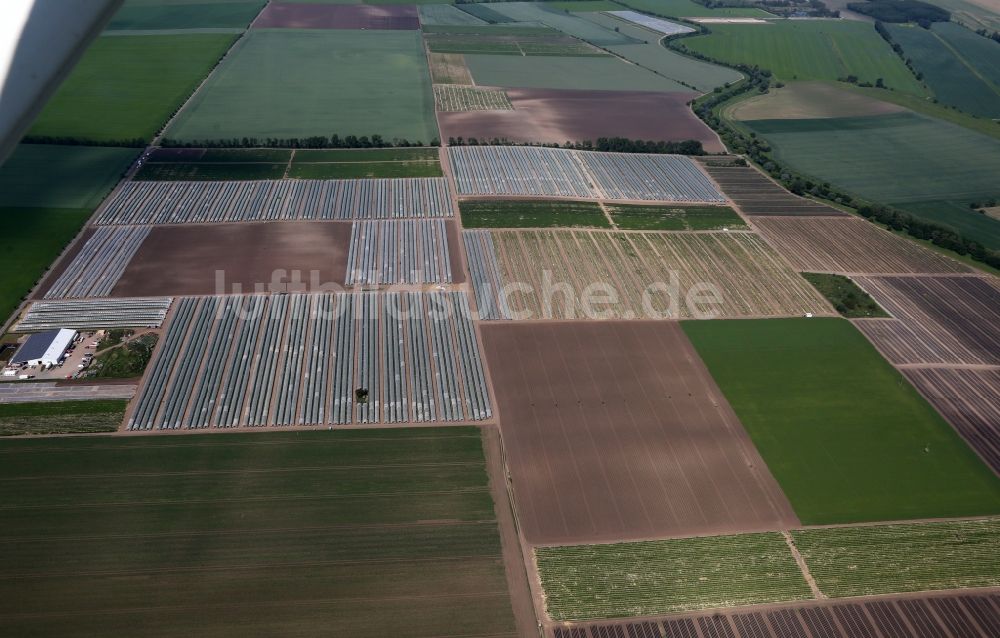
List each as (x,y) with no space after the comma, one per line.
(525,171)
(968,616)
(399,252)
(83,314)
(451,97)
(882,559)
(300,360)
(758,195)
(749,276)
(268,200)
(937,320)
(100,263)
(348,533)
(970,400)
(846,245)
(660,577)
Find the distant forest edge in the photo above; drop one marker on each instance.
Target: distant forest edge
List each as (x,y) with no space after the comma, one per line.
(900,11)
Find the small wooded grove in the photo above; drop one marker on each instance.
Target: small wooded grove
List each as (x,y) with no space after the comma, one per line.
(606,144)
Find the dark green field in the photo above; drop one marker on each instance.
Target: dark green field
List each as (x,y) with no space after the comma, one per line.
(845,295)
(356,170)
(207,14)
(31,240)
(126,87)
(61,417)
(958,65)
(210,171)
(346,533)
(53,176)
(366,155)
(843,432)
(629,217)
(531,214)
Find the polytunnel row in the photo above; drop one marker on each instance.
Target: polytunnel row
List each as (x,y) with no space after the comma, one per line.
(517,170)
(84,314)
(271,200)
(100,263)
(487,283)
(528,171)
(399,252)
(302,359)
(671,178)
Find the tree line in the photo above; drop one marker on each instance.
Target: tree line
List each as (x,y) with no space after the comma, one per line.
(315,141)
(605,144)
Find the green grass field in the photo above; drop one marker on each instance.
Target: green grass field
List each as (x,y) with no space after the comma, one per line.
(559,19)
(31,240)
(200,14)
(882,559)
(927,166)
(62,417)
(663,577)
(509,45)
(809,50)
(52,176)
(949,71)
(348,533)
(630,217)
(842,431)
(209,171)
(550,72)
(583,5)
(316,82)
(528,214)
(127,87)
(845,295)
(358,170)
(687,8)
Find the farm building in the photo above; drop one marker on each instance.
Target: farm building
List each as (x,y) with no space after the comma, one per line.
(44,348)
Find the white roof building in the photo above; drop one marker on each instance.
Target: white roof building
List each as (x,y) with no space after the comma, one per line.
(44,348)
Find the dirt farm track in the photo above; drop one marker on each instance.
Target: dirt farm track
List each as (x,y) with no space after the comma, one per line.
(615,430)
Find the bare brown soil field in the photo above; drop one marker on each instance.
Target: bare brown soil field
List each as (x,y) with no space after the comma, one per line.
(338,16)
(449,68)
(183,259)
(55,273)
(954,319)
(970,400)
(555,116)
(748,275)
(755,194)
(810,100)
(848,245)
(615,430)
(969,615)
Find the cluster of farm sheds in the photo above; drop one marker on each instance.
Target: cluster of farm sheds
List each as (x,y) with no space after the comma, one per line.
(285,361)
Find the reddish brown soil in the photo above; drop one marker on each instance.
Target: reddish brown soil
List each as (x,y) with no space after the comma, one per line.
(550,115)
(183,260)
(454,258)
(338,16)
(53,275)
(615,430)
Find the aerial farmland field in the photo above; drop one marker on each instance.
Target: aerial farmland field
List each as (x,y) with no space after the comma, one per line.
(346,82)
(641,579)
(352,532)
(604,73)
(809,50)
(52,176)
(845,435)
(957,65)
(185,14)
(126,87)
(906,159)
